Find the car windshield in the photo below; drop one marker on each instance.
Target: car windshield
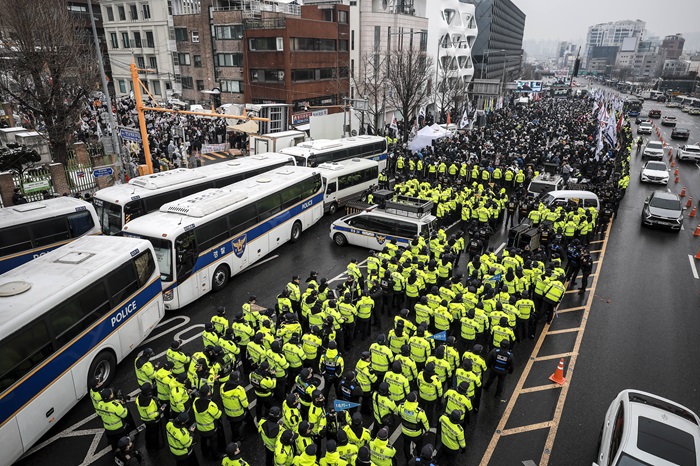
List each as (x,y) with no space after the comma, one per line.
(656,166)
(665,441)
(668,204)
(164,256)
(670,118)
(110,216)
(540,187)
(646,124)
(627,460)
(654,145)
(692,149)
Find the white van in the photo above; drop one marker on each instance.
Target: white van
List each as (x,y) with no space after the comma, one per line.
(566,196)
(347,181)
(544,183)
(400,220)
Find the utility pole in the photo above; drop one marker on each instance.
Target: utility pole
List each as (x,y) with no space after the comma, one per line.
(105,89)
(142,120)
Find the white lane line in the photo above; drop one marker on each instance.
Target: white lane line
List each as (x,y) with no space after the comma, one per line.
(500,247)
(692,266)
(262,262)
(185,321)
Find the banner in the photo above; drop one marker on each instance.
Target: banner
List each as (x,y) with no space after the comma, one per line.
(208,148)
(441,336)
(344,405)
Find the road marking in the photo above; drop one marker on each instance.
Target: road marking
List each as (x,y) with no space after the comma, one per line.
(553,356)
(185,321)
(526,372)
(500,247)
(539,389)
(527,428)
(571,309)
(262,262)
(566,330)
(529,463)
(692,266)
(207,157)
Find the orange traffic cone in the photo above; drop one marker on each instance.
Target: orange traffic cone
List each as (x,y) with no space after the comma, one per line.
(689,203)
(673,164)
(682,194)
(697,256)
(693,212)
(697,230)
(669,151)
(676,172)
(558,376)
(676,181)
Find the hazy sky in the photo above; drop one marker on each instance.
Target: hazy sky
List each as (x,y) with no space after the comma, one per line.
(570,19)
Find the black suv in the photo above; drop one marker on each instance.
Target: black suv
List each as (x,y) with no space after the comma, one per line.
(654,113)
(680,133)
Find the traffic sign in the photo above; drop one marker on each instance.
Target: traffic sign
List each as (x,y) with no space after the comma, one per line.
(36,186)
(130,134)
(344,405)
(104,171)
(441,336)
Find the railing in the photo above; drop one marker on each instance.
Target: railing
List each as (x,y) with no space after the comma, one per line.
(256,6)
(267,23)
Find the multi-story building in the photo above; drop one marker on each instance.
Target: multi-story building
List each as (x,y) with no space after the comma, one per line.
(79,9)
(675,67)
(142,32)
(611,34)
(673,46)
(498,50)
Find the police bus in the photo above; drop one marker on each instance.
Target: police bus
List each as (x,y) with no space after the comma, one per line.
(314,153)
(204,239)
(28,231)
(68,316)
(120,204)
(348,180)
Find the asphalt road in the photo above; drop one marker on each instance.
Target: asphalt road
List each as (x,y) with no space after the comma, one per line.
(635,327)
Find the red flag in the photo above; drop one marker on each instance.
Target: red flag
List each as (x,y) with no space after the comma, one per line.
(619,122)
(449,120)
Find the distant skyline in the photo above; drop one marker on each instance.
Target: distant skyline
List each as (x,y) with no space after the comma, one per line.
(569,20)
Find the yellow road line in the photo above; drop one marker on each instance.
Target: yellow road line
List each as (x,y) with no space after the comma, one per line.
(566,330)
(571,309)
(539,388)
(553,356)
(219,154)
(576,290)
(572,363)
(207,157)
(527,428)
(597,250)
(526,372)
(597,241)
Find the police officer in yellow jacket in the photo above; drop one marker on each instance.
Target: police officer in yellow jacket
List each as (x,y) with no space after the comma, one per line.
(398,383)
(180,440)
(269,429)
(113,413)
(414,424)
(553,295)
(233,455)
(450,437)
(381,453)
(235,401)
(207,415)
(150,413)
(179,359)
(429,389)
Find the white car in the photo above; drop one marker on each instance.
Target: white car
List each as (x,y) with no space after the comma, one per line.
(654,172)
(689,153)
(641,429)
(653,150)
(668,120)
(694,111)
(645,128)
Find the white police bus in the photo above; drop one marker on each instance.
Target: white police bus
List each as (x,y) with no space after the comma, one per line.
(204,239)
(30,230)
(65,317)
(347,180)
(314,153)
(120,204)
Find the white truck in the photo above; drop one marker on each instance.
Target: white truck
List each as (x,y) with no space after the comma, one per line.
(273,142)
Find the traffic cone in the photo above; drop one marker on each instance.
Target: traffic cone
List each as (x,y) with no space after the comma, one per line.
(697,256)
(682,194)
(558,376)
(676,181)
(697,230)
(689,203)
(673,164)
(669,151)
(692,212)
(676,172)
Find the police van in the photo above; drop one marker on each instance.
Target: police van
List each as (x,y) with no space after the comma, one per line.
(346,181)
(400,219)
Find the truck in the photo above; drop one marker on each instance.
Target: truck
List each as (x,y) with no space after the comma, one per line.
(273,142)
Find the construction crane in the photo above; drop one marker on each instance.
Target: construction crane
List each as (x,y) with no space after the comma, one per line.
(140,109)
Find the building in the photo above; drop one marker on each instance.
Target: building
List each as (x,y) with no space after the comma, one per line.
(79,9)
(610,34)
(566,54)
(143,33)
(498,48)
(675,68)
(673,46)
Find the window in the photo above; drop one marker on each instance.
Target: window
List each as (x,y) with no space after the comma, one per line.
(342,17)
(186,254)
(195,37)
(140,62)
(156,87)
(310,186)
(234,31)
(122,86)
(14,239)
(377,37)
(352,40)
(149,39)
(197,61)
(266,75)
(110,13)
(231,86)
(332,187)
(181,34)
(122,13)
(49,231)
(302,75)
(200,85)
(146,11)
(228,59)
(137,39)
(308,44)
(266,44)
(242,219)
(122,282)
(183,59)
(326,73)
(134,13)
(211,233)
(125,40)
(23,351)
(115,40)
(268,206)
(145,266)
(617,431)
(69,319)
(80,223)
(328,15)
(176,59)
(153,63)
(343,45)
(290,196)
(187,82)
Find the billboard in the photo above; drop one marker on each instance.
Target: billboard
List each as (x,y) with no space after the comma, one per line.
(528,86)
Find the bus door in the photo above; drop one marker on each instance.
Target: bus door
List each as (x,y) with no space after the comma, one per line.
(331,193)
(187,257)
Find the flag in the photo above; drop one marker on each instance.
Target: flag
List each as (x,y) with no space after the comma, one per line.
(421,112)
(344,405)
(441,336)
(99,130)
(449,118)
(393,124)
(465,120)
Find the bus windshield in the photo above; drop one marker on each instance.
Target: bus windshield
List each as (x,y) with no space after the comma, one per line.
(163,250)
(110,216)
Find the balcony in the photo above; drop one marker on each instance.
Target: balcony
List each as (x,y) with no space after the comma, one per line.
(267,23)
(255,7)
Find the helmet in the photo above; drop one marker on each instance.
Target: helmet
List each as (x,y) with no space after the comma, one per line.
(404,313)
(291,399)
(505,344)
(412,397)
(363,453)
(342,436)
(463,387)
(423,299)
(383,433)
(405,350)
(311,449)
(287,437)
(381,338)
(208,326)
(123,442)
(331,446)
(467,364)
(276,346)
(357,419)
(175,344)
(503,321)
(147,352)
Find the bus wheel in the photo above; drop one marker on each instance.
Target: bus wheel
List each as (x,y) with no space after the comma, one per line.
(220,278)
(340,239)
(363,198)
(103,367)
(296,232)
(333,208)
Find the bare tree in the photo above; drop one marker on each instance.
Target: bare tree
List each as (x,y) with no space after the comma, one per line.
(449,91)
(49,66)
(409,72)
(369,81)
